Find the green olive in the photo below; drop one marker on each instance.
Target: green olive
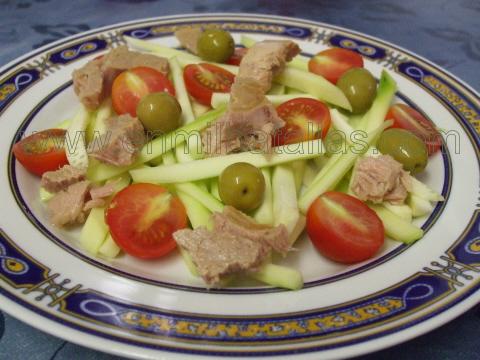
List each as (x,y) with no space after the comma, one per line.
(159,112)
(215,45)
(405,147)
(242,186)
(360,87)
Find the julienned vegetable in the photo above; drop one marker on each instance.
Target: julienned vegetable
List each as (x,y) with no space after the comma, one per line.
(210,167)
(280,276)
(97,125)
(75,146)
(158,146)
(181,91)
(94,231)
(314,85)
(285,204)
(264,214)
(396,227)
(221,99)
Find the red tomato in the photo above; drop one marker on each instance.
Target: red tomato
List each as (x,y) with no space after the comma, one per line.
(42,151)
(131,85)
(237,56)
(305,118)
(343,228)
(202,80)
(142,219)
(405,117)
(332,63)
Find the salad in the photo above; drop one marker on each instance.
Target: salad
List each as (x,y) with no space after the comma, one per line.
(229,154)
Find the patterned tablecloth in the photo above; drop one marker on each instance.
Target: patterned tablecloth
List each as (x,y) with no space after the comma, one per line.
(444,31)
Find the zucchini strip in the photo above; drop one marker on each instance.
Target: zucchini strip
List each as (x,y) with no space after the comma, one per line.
(285,205)
(314,85)
(94,231)
(202,196)
(213,166)
(221,99)
(397,228)
(109,248)
(158,49)
(75,146)
(280,276)
(181,91)
(264,214)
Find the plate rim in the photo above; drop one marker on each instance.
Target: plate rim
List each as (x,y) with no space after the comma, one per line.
(425,325)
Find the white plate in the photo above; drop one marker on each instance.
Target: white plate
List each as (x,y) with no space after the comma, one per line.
(153,309)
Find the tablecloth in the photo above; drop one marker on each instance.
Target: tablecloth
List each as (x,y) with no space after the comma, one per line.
(444,31)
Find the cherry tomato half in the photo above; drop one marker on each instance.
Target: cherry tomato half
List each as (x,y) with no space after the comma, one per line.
(343,228)
(142,219)
(305,118)
(202,80)
(332,63)
(131,85)
(43,151)
(237,56)
(406,117)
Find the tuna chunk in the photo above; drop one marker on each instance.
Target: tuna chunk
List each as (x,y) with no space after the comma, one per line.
(217,254)
(101,192)
(93,82)
(250,120)
(94,203)
(61,179)
(67,206)
(188,38)
(379,179)
(121,59)
(121,144)
(88,84)
(266,59)
(236,223)
(239,131)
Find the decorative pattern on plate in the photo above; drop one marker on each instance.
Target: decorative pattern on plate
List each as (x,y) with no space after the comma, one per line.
(15,84)
(71,53)
(23,272)
(361,47)
(237,26)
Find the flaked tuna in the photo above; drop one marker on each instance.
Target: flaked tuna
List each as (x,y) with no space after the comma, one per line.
(237,223)
(61,179)
(379,179)
(67,206)
(120,145)
(218,254)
